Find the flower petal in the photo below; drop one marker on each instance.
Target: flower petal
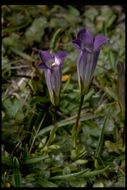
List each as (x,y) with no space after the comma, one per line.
(86,39)
(77,43)
(56,78)
(47,73)
(99,41)
(95,59)
(59,57)
(56,75)
(53,72)
(46,57)
(86,65)
(81,68)
(42,66)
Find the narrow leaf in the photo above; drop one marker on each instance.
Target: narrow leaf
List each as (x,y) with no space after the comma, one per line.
(16,172)
(101,138)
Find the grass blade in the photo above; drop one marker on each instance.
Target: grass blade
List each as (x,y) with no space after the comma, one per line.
(101,138)
(85,173)
(35,159)
(16,172)
(68,121)
(54,39)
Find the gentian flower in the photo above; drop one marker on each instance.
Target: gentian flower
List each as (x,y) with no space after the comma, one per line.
(52,67)
(89,49)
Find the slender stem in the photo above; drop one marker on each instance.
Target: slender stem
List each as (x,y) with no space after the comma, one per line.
(76,127)
(53,130)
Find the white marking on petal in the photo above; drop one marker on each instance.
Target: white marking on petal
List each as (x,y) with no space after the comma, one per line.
(57,61)
(54,64)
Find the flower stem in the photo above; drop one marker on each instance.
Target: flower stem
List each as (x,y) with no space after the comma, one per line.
(76,127)
(53,130)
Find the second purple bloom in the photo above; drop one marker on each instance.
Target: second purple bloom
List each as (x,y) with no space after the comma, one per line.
(89,49)
(52,66)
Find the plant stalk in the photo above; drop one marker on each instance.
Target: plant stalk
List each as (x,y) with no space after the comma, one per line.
(53,130)
(76,127)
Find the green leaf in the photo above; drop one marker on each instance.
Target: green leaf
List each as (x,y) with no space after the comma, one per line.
(73,11)
(68,121)
(13,41)
(6,160)
(69,175)
(36,30)
(34,159)
(101,138)
(121,83)
(16,172)
(54,39)
(80,162)
(83,173)
(12,106)
(22,54)
(110,93)
(45,183)
(114,147)
(98,184)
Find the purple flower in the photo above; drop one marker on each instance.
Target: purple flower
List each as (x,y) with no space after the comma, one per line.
(52,67)
(89,49)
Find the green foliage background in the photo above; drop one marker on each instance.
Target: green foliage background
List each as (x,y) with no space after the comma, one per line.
(99,158)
